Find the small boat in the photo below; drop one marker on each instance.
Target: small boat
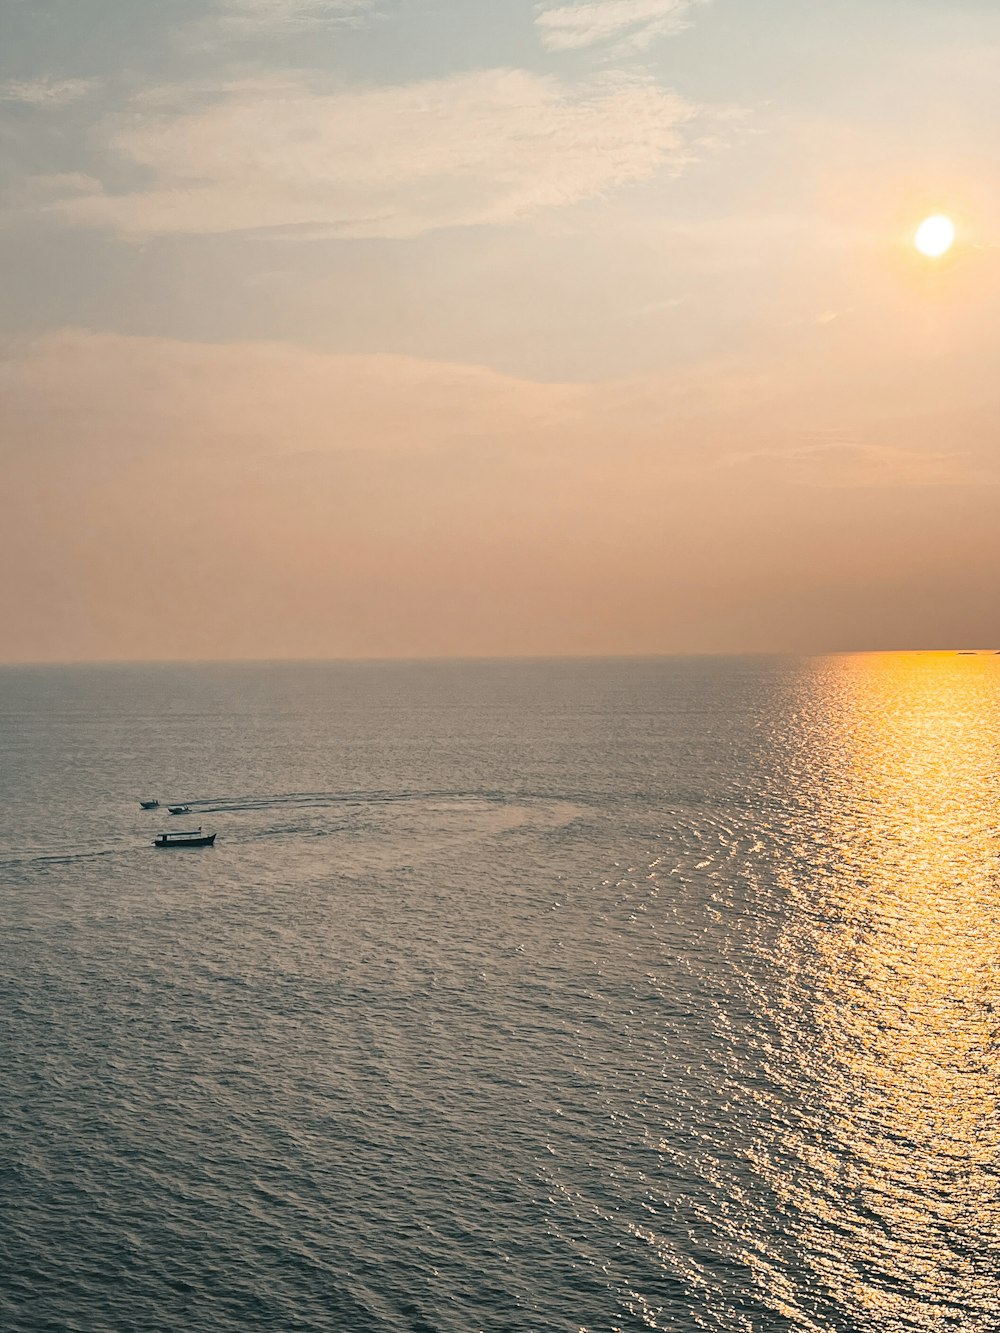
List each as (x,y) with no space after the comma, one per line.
(179,809)
(190,838)
(149,805)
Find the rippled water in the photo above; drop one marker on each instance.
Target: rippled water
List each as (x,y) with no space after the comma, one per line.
(582,996)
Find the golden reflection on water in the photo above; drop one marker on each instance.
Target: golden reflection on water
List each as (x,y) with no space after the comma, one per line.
(891,966)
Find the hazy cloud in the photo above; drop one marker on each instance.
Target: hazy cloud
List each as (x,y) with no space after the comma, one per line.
(488,147)
(249,17)
(47,92)
(244,401)
(635,23)
(847,462)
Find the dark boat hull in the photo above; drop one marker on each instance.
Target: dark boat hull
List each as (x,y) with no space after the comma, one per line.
(167,840)
(148,805)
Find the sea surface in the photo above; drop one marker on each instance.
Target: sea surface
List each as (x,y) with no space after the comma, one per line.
(583,996)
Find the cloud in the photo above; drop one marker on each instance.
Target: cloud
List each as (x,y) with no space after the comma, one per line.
(634,23)
(841,461)
(38,194)
(488,147)
(251,17)
(244,402)
(47,92)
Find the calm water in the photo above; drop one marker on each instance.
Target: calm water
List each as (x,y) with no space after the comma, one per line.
(513,996)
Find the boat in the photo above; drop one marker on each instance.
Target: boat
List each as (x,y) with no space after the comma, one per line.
(189,838)
(179,809)
(149,805)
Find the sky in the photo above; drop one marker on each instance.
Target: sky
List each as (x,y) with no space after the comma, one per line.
(420,328)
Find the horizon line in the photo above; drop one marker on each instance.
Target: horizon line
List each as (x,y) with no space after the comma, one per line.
(485,657)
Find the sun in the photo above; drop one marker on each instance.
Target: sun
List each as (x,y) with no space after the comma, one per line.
(935,236)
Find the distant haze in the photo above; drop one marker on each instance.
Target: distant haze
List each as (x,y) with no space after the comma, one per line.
(337,329)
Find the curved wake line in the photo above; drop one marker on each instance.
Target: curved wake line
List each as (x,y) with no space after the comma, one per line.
(62,858)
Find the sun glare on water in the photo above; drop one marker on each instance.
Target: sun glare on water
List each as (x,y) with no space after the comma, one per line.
(935,236)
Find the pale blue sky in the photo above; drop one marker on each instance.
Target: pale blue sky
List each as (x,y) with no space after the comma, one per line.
(678,230)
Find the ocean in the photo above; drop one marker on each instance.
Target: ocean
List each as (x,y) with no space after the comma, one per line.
(514,996)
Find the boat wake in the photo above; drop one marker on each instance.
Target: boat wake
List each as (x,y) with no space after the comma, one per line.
(53,859)
(252,817)
(330,799)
